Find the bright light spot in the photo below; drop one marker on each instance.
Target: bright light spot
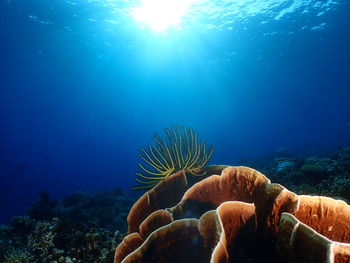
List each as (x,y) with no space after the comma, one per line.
(161,14)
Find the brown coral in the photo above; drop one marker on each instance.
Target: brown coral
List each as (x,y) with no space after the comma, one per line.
(238,212)
(301,243)
(128,245)
(159,197)
(160,246)
(234,184)
(154,221)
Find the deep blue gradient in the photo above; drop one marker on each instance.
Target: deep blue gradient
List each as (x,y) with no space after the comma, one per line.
(79,96)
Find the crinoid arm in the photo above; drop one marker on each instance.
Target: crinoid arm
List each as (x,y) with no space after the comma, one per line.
(179,149)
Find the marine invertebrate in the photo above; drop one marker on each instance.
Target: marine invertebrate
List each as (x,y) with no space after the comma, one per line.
(41,239)
(159,198)
(83,230)
(188,240)
(19,256)
(225,217)
(179,149)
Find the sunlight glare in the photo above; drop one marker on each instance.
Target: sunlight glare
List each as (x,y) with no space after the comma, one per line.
(161,14)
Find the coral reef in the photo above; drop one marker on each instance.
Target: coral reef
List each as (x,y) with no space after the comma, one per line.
(327,175)
(159,197)
(18,256)
(223,218)
(40,241)
(88,228)
(106,208)
(179,149)
(80,228)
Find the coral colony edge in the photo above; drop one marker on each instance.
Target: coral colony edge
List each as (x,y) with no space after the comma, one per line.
(195,212)
(234,215)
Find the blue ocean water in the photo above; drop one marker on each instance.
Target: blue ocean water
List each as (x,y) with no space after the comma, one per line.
(84,84)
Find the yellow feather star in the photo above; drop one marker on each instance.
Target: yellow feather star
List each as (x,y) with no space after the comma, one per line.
(178,150)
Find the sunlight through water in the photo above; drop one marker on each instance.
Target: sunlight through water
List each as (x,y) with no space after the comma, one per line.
(161,14)
(197,15)
(202,15)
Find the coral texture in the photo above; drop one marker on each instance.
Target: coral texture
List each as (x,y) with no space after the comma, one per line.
(159,197)
(238,216)
(81,228)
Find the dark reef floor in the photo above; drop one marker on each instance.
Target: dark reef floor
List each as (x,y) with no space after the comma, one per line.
(87,228)
(80,228)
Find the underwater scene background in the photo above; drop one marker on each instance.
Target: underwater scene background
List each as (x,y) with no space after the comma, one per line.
(84,84)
